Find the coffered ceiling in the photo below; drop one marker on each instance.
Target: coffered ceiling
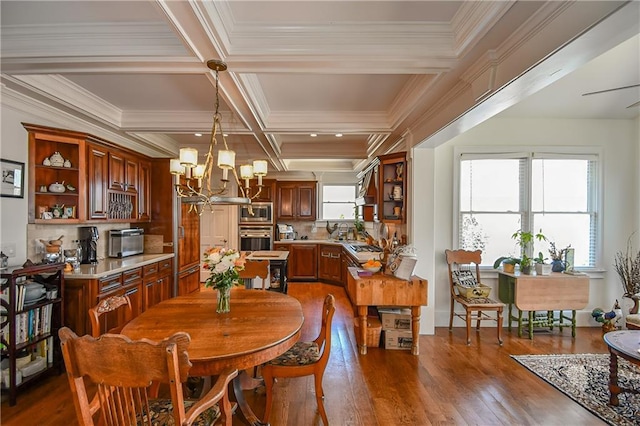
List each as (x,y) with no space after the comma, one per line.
(368,70)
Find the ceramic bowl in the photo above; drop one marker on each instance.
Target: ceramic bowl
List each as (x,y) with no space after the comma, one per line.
(57,187)
(372,269)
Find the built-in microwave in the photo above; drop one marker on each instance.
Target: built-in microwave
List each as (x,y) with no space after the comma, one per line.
(256,213)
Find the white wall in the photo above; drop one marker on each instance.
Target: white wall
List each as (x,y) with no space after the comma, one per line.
(13,211)
(620,146)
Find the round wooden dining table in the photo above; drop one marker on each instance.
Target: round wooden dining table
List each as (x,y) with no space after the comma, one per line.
(260,326)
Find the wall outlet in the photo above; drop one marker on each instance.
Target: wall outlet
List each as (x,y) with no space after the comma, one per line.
(9,249)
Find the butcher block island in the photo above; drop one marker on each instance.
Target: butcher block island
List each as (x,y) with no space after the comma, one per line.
(386,290)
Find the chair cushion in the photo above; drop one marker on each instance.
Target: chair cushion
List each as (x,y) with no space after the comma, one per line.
(633,319)
(464,278)
(302,353)
(162,413)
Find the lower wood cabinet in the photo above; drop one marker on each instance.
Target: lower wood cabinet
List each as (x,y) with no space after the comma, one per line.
(302,263)
(347,262)
(145,286)
(189,279)
(330,263)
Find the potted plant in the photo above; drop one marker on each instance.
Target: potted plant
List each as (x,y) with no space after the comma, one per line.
(508,263)
(557,257)
(627,266)
(524,239)
(542,267)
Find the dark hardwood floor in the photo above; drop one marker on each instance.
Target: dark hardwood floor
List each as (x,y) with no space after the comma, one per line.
(448,383)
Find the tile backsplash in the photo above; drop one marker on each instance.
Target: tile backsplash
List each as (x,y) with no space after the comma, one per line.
(37,232)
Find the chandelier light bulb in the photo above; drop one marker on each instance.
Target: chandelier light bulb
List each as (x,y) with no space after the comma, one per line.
(198,171)
(188,157)
(175,168)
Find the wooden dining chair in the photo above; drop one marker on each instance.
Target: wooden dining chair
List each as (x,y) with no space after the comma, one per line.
(122,370)
(303,359)
(110,315)
(474,308)
(256,268)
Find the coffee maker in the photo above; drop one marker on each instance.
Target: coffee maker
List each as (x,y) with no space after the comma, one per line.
(88,239)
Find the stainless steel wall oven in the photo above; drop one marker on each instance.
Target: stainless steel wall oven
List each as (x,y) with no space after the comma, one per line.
(255,238)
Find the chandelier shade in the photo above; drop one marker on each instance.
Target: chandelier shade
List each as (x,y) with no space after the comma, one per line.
(192,180)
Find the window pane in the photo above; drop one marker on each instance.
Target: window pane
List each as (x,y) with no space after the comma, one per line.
(560,185)
(338,211)
(342,193)
(490,233)
(565,229)
(338,201)
(490,185)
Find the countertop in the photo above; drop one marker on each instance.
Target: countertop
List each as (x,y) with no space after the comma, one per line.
(331,242)
(110,266)
(360,256)
(268,255)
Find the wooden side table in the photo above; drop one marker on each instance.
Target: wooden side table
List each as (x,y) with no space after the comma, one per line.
(555,292)
(624,344)
(386,290)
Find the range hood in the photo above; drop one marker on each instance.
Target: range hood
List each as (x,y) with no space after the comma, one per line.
(368,185)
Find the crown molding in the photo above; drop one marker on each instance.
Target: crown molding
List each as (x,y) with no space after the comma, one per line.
(328,121)
(94,39)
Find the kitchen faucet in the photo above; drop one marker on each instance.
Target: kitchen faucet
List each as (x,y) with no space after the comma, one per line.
(343,235)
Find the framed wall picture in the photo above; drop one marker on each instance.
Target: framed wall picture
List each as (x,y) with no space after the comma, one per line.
(12,184)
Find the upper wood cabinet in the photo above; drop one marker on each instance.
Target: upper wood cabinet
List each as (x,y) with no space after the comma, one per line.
(144,191)
(123,172)
(46,147)
(98,178)
(392,200)
(296,200)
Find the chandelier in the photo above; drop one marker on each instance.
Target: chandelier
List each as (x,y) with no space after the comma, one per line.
(193,181)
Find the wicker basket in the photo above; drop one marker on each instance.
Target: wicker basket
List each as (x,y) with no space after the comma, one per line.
(374,329)
(474,292)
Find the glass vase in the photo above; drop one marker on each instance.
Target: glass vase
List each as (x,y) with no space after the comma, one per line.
(224,300)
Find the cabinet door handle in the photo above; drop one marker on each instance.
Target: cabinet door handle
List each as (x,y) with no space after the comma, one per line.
(325,255)
(131,291)
(335,256)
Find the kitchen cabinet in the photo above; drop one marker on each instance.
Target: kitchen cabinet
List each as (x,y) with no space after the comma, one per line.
(151,287)
(56,156)
(101,181)
(189,280)
(83,293)
(330,263)
(122,190)
(123,172)
(302,263)
(267,193)
(392,200)
(144,191)
(295,200)
(188,237)
(97,167)
(348,261)
(156,283)
(30,325)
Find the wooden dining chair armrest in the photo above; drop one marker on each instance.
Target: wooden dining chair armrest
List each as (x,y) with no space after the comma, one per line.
(217,394)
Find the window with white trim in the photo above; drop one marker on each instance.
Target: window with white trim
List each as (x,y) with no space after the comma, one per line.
(499,194)
(338,202)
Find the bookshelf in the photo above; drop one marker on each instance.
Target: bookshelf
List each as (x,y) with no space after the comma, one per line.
(31,315)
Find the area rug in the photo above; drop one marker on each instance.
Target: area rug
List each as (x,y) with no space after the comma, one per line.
(584,378)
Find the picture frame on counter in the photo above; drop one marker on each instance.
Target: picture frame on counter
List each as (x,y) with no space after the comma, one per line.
(12,184)
(69,212)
